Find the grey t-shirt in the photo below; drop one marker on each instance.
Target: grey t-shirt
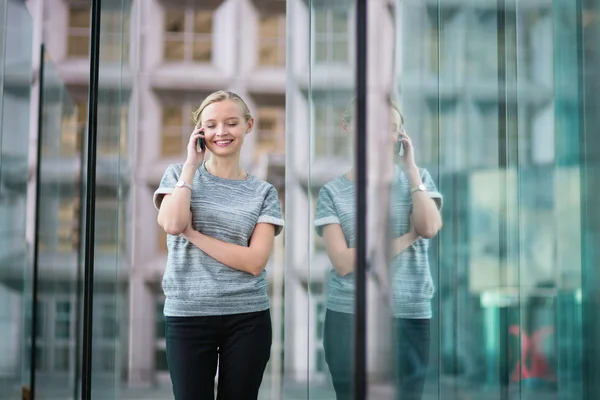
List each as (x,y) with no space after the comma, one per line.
(412,285)
(194,283)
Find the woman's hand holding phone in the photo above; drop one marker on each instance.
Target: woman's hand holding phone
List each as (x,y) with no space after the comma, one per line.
(195,155)
(408,157)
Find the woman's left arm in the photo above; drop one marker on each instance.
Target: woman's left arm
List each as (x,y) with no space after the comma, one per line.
(251,259)
(426,214)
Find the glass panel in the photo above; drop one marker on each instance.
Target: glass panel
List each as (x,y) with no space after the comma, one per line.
(58,237)
(111,217)
(16,277)
(322,186)
(331,34)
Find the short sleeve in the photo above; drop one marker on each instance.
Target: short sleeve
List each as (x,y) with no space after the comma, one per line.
(432,190)
(326,213)
(166,186)
(270,212)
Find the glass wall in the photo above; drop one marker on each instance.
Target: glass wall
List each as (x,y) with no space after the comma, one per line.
(478,284)
(112,246)
(57,272)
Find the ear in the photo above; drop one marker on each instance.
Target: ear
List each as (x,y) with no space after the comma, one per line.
(345,126)
(249,125)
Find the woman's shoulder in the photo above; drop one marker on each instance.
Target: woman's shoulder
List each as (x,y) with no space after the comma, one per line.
(260,185)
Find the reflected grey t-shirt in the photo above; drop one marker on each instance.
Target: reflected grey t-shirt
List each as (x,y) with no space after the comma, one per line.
(412,285)
(194,283)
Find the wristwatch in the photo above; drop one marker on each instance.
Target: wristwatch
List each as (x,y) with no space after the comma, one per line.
(181,183)
(420,188)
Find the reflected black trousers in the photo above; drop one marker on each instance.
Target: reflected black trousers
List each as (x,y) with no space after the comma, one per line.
(240,344)
(410,345)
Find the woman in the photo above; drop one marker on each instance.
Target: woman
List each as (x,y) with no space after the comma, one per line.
(415,218)
(221,222)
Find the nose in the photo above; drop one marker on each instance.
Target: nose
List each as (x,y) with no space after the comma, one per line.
(220,130)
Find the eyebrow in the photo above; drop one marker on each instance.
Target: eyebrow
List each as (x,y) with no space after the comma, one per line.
(228,118)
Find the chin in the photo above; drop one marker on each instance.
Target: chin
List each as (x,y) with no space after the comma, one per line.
(225,151)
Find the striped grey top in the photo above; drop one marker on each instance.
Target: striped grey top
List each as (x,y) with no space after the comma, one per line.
(412,285)
(196,284)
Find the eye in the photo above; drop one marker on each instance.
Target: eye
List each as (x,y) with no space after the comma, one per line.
(232,123)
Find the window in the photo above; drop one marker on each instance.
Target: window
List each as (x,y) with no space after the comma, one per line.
(188,35)
(270,123)
(112,127)
(115,34)
(58,225)
(106,331)
(78,39)
(68,234)
(331,37)
(321,366)
(110,217)
(271,40)
(69,133)
(177,126)
(63,324)
(55,333)
(41,335)
(330,140)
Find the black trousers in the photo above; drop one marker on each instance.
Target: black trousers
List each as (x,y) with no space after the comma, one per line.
(410,345)
(240,344)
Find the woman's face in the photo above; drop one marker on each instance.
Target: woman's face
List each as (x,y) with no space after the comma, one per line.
(396,125)
(225,127)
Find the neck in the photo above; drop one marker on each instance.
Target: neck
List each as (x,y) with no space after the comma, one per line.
(227,168)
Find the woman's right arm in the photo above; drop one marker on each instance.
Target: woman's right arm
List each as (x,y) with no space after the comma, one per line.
(342,258)
(174,212)
(175,207)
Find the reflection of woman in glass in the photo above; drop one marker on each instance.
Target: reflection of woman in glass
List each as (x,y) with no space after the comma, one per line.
(415,219)
(221,222)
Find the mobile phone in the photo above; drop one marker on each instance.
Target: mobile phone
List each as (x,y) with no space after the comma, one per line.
(399,148)
(201,144)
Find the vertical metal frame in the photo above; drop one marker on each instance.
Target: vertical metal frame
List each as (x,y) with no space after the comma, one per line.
(90,201)
(36,229)
(360,382)
(503,160)
(588,57)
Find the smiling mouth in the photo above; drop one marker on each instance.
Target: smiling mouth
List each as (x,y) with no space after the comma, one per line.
(223,143)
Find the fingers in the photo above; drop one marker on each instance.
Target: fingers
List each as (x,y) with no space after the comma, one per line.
(404,138)
(197,134)
(406,142)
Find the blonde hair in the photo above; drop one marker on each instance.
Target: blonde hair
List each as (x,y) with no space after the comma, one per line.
(349,111)
(221,95)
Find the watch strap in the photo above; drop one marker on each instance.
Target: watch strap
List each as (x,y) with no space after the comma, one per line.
(420,188)
(183,184)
